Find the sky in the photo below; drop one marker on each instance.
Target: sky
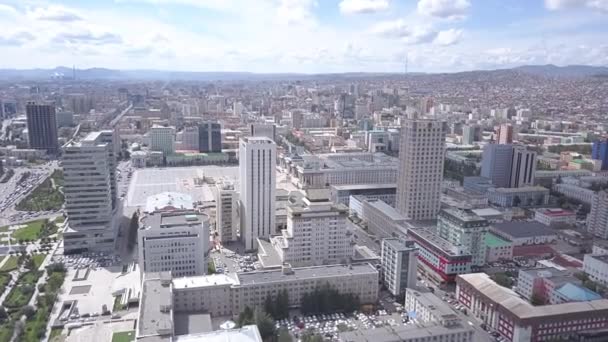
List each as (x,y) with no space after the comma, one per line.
(302,36)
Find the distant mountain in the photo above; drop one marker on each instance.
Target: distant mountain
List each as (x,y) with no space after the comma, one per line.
(113,74)
(551,70)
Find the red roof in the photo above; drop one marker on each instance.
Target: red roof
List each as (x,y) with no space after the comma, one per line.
(534,250)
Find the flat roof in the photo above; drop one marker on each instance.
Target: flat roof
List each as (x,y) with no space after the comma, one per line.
(364,186)
(430,301)
(492,240)
(155,312)
(403,332)
(248,333)
(386,209)
(268,254)
(487,212)
(522,189)
(171,199)
(161,220)
(398,244)
(555,212)
(463,215)
(523,229)
(437,241)
(326,271)
(202,281)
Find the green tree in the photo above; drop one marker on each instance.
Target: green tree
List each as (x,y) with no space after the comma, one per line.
(269,306)
(245,317)
(265,324)
(284,336)
(516,201)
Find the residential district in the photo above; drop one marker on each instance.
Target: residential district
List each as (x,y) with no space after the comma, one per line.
(453,207)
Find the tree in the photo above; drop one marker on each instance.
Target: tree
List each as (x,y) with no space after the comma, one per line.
(29,311)
(269,306)
(265,324)
(245,317)
(281,306)
(516,201)
(3,314)
(284,336)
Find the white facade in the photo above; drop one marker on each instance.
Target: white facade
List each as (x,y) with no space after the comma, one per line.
(175,241)
(399,265)
(226,208)
(575,192)
(596,267)
(87,168)
(465,229)
(550,216)
(421,157)
(257,169)
(316,234)
(162,139)
(597,221)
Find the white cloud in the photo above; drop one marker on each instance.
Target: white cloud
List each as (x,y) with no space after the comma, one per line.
(554,5)
(445,9)
(363,6)
(448,37)
(409,35)
(53,13)
(296,12)
(6,9)
(16,39)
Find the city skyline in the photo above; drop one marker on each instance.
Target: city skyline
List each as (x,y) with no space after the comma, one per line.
(302,35)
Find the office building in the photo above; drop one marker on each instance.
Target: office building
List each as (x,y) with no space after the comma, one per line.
(465,229)
(162,139)
(382,219)
(189,138)
(65,119)
(210,137)
(112,138)
(523,167)
(468,135)
(421,157)
(505,134)
(340,194)
(439,260)
(42,127)
(497,248)
(88,195)
(263,130)
(226,208)
(175,241)
(257,170)
(596,267)
(426,307)
(530,196)
(316,234)
(399,265)
(599,151)
(496,164)
(524,233)
(597,220)
(549,285)
(551,216)
(502,310)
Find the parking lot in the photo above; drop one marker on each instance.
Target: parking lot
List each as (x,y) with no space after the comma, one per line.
(227,261)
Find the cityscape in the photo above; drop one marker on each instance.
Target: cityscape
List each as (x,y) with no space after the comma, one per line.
(465,203)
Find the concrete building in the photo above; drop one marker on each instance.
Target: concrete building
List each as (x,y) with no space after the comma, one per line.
(112,138)
(340,194)
(316,234)
(496,164)
(497,248)
(426,307)
(524,233)
(597,220)
(505,134)
(468,134)
(502,309)
(596,267)
(599,151)
(226,211)
(439,260)
(263,130)
(65,119)
(523,167)
(87,168)
(257,170)
(465,229)
(399,265)
(518,197)
(551,216)
(42,127)
(162,139)
(210,137)
(549,285)
(421,158)
(377,141)
(174,241)
(189,138)
(382,219)
(575,192)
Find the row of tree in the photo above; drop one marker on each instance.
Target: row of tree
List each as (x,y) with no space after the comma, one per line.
(261,319)
(326,299)
(277,307)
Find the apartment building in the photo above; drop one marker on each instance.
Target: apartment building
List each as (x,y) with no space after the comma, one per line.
(382,219)
(162,139)
(399,265)
(465,229)
(226,211)
(597,220)
(596,267)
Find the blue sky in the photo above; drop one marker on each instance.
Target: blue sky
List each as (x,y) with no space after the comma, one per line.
(308,36)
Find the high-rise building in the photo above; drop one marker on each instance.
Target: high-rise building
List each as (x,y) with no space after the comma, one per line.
(175,241)
(597,220)
(399,265)
(210,137)
(42,127)
(257,170)
(465,229)
(599,151)
(523,167)
(468,134)
(88,195)
(263,130)
(162,139)
(316,234)
(505,134)
(420,168)
(226,205)
(496,164)
(190,138)
(112,138)
(426,105)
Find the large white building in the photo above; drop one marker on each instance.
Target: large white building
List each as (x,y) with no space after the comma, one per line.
(420,168)
(316,234)
(162,139)
(596,267)
(226,211)
(399,265)
(257,170)
(597,221)
(465,229)
(87,169)
(175,241)
(111,138)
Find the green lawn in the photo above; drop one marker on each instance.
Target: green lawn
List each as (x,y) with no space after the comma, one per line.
(44,197)
(59,220)
(38,259)
(10,265)
(29,232)
(6,331)
(55,332)
(125,336)
(21,294)
(4,279)
(4,229)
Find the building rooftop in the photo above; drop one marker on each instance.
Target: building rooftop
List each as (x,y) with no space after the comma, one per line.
(155,308)
(175,219)
(267,254)
(398,244)
(202,281)
(520,190)
(602,258)
(524,229)
(248,333)
(363,186)
(577,293)
(492,240)
(314,272)
(169,201)
(430,301)
(386,209)
(403,332)
(510,301)
(464,215)
(436,241)
(554,212)
(487,212)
